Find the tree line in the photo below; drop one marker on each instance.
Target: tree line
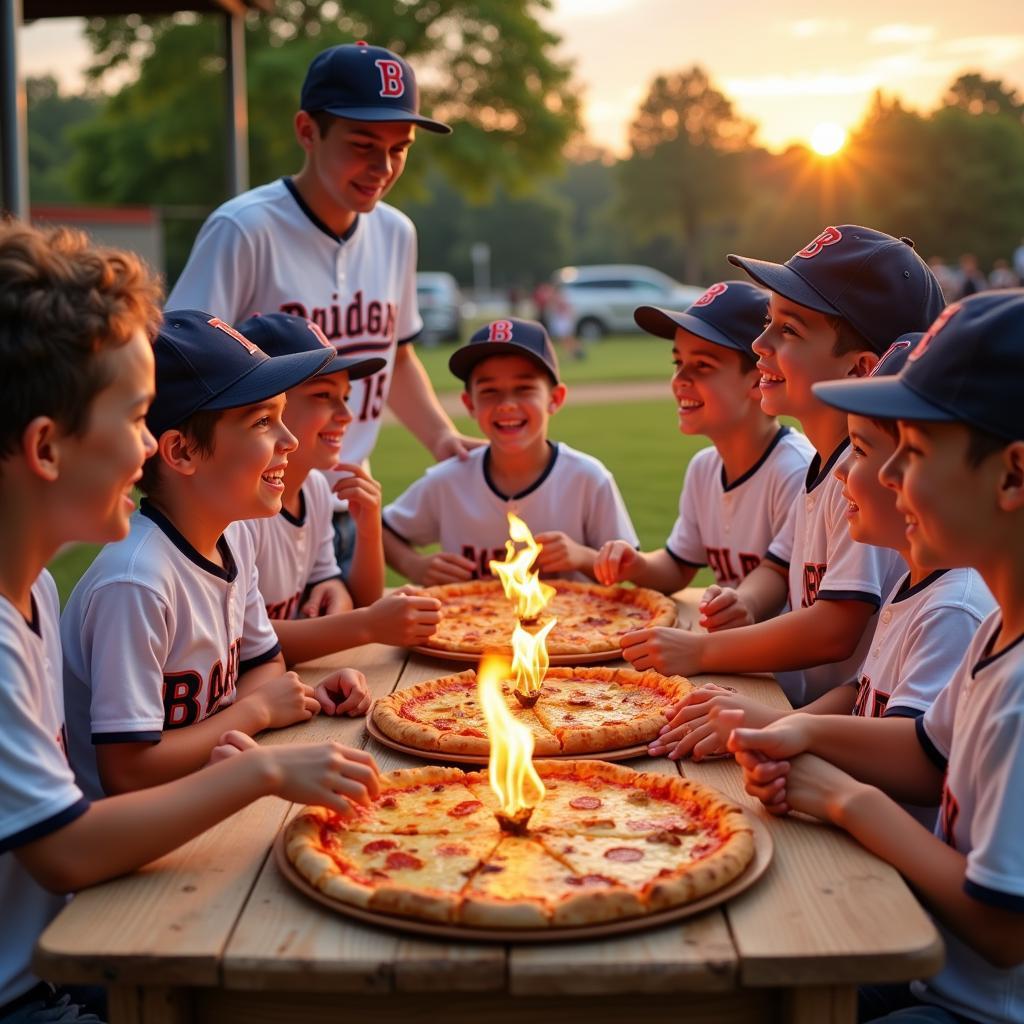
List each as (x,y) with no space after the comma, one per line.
(516,173)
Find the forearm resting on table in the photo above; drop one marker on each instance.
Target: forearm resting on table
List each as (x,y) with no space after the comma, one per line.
(306,639)
(763,590)
(125,767)
(660,571)
(119,834)
(413,401)
(827,632)
(936,871)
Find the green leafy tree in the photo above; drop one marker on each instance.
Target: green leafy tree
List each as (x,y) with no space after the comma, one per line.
(977,94)
(685,177)
(51,117)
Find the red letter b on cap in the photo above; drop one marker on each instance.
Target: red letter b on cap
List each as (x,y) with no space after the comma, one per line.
(392,84)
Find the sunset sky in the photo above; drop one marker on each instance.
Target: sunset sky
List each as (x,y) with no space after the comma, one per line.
(790,65)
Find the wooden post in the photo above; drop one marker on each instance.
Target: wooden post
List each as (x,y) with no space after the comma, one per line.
(13,114)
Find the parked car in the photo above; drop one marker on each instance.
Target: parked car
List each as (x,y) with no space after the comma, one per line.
(603,297)
(440,303)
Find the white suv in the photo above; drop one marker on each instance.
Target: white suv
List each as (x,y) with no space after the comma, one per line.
(603,297)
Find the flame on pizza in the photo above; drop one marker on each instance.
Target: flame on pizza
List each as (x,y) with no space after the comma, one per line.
(513,778)
(522,586)
(530,658)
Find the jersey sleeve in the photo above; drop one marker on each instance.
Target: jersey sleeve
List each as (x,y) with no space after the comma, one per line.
(38,794)
(125,665)
(935,726)
(217,277)
(854,571)
(934,646)
(780,551)
(685,543)
(995,864)
(607,518)
(788,486)
(410,323)
(412,516)
(325,565)
(259,641)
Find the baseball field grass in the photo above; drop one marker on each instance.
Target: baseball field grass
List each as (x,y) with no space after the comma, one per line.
(637,441)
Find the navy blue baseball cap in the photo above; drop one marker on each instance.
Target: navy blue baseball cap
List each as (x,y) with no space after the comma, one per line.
(204,363)
(364,83)
(967,368)
(511,337)
(281,334)
(842,394)
(729,313)
(879,284)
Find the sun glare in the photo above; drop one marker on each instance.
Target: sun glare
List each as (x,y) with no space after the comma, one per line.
(828,138)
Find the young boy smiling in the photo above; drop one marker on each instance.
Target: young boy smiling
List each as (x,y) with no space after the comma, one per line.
(924,626)
(76,378)
(738,493)
(568,499)
(958,473)
(166,639)
(295,549)
(835,307)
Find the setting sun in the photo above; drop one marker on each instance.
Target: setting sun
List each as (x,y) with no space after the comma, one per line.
(828,138)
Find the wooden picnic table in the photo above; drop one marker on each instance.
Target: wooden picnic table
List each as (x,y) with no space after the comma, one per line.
(214,933)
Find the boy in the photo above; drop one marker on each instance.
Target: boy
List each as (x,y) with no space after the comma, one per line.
(834,308)
(737,493)
(958,473)
(925,623)
(568,499)
(76,377)
(323,244)
(295,549)
(167,628)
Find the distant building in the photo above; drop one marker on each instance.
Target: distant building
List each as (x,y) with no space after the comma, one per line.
(138,228)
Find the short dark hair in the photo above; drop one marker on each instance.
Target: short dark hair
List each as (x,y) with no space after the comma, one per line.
(198,430)
(981,444)
(64,302)
(848,338)
(890,428)
(322,120)
(748,361)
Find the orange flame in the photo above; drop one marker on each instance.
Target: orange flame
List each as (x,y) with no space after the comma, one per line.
(513,778)
(530,658)
(521,586)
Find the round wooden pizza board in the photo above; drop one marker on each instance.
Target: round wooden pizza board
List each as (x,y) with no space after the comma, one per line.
(621,754)
(763,849)
(568,660)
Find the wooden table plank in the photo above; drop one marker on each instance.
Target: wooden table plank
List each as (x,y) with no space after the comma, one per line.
(692,955)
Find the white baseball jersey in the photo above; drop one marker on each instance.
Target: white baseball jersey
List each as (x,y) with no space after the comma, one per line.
(826,564)
(265,251)
(457,504)
(975,732)
(292,552)
(38,794)
(729,526)
(155,637)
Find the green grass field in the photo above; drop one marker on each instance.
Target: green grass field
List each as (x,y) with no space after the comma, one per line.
(637,441)
(613,359)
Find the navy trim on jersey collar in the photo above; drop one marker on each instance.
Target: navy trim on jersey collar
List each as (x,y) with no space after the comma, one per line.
(314,219)
(902,594)
(173,534)
(744,477)
(988,657)
(300,519)
(529,490)
(816,476)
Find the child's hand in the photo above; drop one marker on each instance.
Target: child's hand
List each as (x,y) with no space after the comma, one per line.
(324,774)
(344,693)
(444,567)
(723,608)
(362,493)
(558,552)
(405,618)
(327,598)
(231,743)
(285,700)
(615,562)
(666,649)
(691,729)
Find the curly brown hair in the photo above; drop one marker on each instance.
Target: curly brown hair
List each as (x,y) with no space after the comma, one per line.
(64,301)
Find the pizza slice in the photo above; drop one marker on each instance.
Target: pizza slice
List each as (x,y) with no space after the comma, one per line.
(422,801)
(521,885)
